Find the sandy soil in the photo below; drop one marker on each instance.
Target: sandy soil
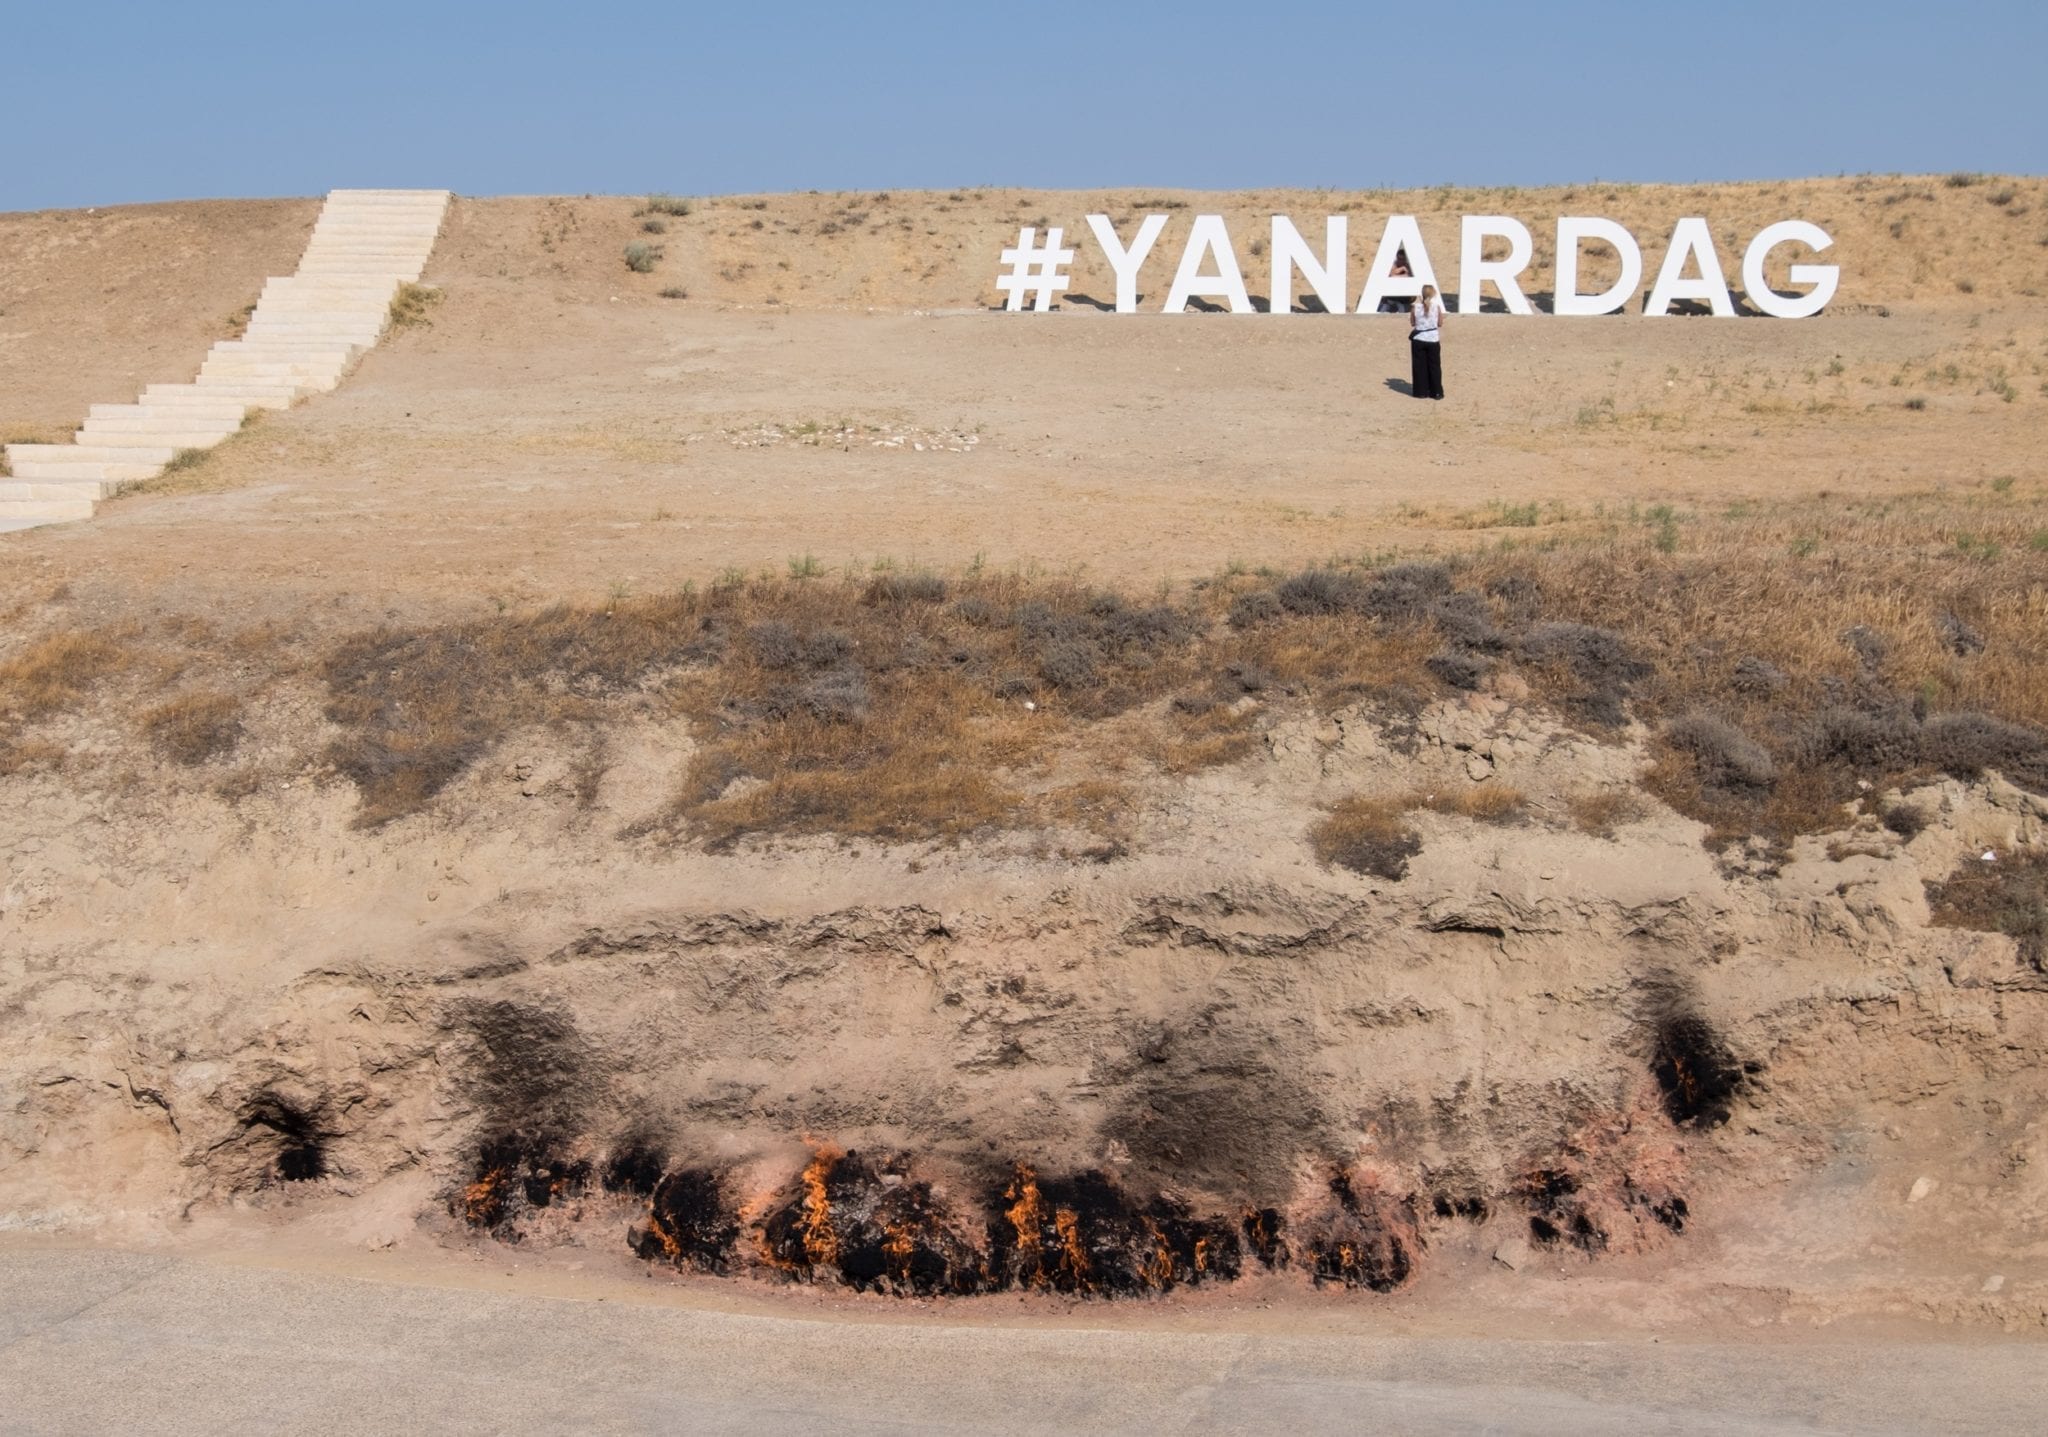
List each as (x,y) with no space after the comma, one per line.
(174,958)
(562,430)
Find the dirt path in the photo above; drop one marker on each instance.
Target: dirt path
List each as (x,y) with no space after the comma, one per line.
(226,1347)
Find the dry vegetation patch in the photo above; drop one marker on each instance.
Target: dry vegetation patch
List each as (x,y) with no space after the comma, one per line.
(195,728)
(2007,895)
(1779,682)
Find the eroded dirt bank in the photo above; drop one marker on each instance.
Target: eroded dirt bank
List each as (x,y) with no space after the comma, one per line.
(964,1069)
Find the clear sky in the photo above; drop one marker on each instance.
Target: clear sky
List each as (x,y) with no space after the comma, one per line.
(104,103)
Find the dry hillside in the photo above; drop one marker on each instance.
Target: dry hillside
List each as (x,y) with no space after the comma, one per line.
(813,779)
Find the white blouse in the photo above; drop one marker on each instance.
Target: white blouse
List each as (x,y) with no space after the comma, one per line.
(1427,319)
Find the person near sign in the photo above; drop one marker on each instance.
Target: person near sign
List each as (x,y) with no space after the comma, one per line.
(1398,270)
(1425,344)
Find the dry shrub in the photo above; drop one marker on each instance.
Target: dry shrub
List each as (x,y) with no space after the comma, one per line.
(1367,835)
(28,755)
(2008,895)
(1602,812)
(1210,736)
(410,306)
(1483,803)
(55,672)
(1775,689)
(1724,757)
(195,728)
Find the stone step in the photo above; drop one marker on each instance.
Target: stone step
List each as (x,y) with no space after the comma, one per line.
(402,228)
(325,306)
(60,454)
(422,227)
(294,347)
(198,409)
(315,311)
(408,243)
(355,249)
(292,386)
(257,360)
(173,422)
(282,347)
(31,491)
(360,270)
(362,336)
(253,392)
(220,361)
(411,232)
(248,396)
(109,473)
(319,321)
(326,287)
(152,439)
(316,284)
(45,511)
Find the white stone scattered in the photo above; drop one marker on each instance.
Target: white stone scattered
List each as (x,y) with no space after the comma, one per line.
(1921,1188)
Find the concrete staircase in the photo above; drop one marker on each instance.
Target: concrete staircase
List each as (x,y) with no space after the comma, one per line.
(305,333)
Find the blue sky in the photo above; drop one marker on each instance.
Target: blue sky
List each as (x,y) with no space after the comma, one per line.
(113,102)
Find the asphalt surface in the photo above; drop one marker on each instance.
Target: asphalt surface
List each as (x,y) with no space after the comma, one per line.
(99,1342)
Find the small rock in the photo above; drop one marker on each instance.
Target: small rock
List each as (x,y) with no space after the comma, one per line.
(1512,1254)
(1921,1188)
(1478,769)
(1995,1282)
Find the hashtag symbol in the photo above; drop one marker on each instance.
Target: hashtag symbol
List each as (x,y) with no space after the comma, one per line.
(1035,268)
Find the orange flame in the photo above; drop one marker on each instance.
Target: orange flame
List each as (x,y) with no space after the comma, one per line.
(821,1244)
(1027,1216)
(1073,1256)
(481,1196)
(662,1235)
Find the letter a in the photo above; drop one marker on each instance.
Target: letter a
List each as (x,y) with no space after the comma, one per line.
(1210,236)
(1401,233)
(1690,238)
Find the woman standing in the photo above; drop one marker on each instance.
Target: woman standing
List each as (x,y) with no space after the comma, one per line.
(1425,344)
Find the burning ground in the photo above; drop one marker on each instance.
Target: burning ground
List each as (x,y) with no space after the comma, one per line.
(943,936)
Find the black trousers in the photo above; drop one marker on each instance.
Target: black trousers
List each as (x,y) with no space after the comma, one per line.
(1426,359)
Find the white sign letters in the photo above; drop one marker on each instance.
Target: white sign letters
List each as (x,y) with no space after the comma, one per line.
(1691,271)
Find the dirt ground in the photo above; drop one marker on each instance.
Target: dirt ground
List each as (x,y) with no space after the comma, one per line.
(561,430)
(206,970)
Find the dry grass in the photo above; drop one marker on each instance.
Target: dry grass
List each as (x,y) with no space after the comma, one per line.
(54,672)
(194,728)
(1786,665)
(410,307)
(1602,813)
(1367,835)
(1373,835)
(2008,895)
(1483,803)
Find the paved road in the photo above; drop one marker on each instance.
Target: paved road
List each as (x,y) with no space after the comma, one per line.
(97,1342)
